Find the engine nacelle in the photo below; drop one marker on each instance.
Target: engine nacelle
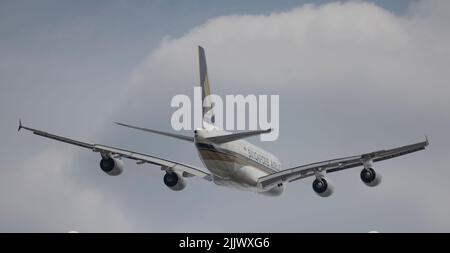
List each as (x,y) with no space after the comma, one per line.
(111,166)
(323,187)
(370,177)
(174,181)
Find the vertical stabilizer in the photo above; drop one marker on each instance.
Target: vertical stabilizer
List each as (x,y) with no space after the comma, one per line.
(204,83)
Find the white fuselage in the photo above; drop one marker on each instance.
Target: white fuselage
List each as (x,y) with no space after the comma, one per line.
(238,164)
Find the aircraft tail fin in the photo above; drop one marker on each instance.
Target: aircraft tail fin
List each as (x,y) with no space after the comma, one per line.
(204,84)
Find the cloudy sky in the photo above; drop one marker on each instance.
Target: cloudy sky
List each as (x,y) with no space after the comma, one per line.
(352,77)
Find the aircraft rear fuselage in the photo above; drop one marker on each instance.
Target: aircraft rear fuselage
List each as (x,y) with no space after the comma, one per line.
(236,164)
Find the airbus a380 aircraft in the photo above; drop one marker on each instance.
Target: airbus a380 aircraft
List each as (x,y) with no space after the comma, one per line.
(234,162)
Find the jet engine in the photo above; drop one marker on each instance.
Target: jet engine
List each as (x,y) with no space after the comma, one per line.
(370,178)
(323,187)
(174,181)
(111,166)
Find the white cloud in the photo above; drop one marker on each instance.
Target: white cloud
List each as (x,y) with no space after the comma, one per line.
(327,49)
(38,195)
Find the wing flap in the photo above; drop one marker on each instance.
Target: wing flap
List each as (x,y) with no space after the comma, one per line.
(56,137)
(164,163)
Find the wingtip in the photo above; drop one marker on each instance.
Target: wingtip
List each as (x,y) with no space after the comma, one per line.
(20,125)
(118,123)
(427,142)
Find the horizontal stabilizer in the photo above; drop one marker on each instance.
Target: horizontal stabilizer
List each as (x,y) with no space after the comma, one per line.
(236,136)
(178,136)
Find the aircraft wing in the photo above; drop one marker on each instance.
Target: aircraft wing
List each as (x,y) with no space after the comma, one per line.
(334,165)
(167,165)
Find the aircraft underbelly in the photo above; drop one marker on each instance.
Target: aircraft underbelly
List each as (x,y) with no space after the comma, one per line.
(231,174)
(234,170)
(244,178)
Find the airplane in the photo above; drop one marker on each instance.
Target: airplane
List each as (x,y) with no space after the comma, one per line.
(233,162)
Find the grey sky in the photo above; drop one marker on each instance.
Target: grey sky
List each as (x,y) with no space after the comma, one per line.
(353,78)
